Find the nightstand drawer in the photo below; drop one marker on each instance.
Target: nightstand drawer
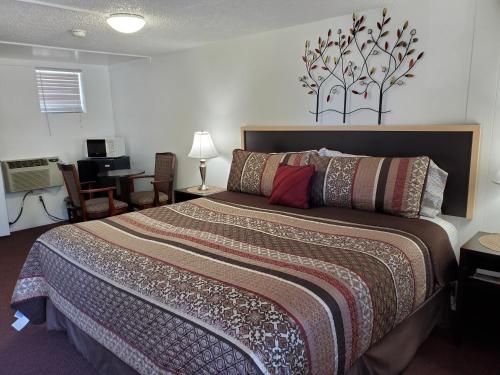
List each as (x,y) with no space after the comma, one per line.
(478,292)
(181,196)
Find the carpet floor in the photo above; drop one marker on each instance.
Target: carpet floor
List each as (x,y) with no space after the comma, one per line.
(36,351)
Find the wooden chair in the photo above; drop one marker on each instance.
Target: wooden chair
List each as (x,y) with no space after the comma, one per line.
(91,208)
(163,183)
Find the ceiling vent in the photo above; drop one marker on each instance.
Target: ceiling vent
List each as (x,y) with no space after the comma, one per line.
(31,174)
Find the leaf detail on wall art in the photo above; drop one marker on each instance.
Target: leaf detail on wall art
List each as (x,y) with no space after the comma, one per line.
(347,66)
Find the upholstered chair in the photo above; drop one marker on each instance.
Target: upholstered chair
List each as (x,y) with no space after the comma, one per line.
(163,183)
(82,208)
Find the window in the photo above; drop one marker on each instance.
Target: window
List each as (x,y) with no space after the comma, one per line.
(60,91)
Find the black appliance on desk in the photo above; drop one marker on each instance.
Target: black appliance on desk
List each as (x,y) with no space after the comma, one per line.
(88,169)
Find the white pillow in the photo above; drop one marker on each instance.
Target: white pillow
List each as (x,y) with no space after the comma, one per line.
(432,200)
(332,153)
(434,191)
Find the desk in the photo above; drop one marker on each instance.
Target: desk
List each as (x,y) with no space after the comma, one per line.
(90,167)
(121,180)
(120,173)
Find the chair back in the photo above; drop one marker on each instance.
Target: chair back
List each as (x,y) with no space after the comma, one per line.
(165,164)
(72,183)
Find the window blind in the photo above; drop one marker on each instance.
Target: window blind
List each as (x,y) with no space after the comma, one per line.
(60,91)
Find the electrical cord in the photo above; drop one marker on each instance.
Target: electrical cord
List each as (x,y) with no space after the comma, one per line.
(22,208)
(52,217)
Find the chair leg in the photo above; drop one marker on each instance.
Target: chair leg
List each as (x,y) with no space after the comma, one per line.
(70,214)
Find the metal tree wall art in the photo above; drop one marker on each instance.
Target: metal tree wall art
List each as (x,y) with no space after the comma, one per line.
(345,72)
(361,61)
(396,57)
(342,70)
(313,81)
(337,68)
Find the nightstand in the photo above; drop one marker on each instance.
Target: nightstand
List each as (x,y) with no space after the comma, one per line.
(478,292)
(186,194)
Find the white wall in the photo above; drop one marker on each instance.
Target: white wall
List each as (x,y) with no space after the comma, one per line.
(24,131)
(484,108)
(4,221)
(253,80)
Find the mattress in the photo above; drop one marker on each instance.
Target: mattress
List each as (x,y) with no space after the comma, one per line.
(450,229)
(233,285)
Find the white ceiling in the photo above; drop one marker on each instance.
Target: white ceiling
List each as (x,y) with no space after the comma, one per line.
(170,24)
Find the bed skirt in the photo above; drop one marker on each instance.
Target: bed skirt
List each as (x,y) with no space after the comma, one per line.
(394,352)
(391,355)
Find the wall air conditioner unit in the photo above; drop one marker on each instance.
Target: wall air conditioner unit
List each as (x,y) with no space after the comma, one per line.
(31,174)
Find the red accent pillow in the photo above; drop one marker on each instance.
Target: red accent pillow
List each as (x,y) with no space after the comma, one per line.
(291,185)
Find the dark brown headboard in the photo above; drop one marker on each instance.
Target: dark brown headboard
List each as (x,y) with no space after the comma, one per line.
(455,148)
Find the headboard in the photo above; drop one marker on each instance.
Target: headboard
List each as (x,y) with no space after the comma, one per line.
(454,148)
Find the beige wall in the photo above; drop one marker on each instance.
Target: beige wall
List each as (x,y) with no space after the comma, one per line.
(253,80)
(24,130)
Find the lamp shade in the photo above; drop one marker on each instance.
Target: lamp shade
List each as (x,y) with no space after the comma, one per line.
(203,147)
(496,179)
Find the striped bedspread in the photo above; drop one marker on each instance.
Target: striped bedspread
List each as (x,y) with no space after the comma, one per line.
(208,286)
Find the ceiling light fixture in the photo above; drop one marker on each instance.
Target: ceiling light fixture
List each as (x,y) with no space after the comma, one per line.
(125,22)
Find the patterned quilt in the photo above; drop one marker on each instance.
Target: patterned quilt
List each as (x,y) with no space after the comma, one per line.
(208,286)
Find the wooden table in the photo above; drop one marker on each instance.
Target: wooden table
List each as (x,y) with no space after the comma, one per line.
(185,194)
(123,186)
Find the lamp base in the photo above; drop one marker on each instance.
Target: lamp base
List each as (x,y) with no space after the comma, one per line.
(203,174)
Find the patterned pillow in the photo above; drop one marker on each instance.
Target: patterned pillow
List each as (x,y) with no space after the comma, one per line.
(434,186)
(390,185)
(253,172)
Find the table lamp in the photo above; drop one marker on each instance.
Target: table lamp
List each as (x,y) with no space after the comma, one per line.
(203,148)
(492,241)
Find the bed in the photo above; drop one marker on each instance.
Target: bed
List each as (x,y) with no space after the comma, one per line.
(230,284)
